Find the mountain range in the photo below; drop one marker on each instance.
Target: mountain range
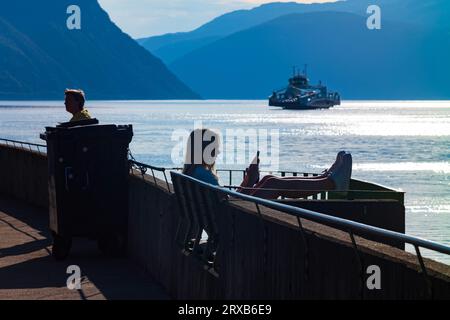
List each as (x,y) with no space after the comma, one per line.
(248,53)
(40,56)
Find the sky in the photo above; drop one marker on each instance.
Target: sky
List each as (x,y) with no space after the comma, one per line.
(142,18)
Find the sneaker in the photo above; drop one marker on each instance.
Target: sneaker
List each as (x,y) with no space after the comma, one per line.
(338,161)
(342,173)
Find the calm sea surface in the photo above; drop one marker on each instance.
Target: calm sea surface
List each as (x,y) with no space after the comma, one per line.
(404,145)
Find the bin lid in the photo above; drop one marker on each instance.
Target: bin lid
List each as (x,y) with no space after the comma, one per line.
(88,131)
(78,123)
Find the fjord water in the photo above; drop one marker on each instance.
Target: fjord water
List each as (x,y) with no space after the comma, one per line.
(403,145)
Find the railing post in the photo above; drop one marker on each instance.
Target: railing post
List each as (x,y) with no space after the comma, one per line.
(265,241)
(154,178)
(315,196)
(305,248)
(424,272)
(360,262)
(167,181)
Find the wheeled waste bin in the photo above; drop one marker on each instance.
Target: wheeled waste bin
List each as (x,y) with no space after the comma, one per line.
(88,185)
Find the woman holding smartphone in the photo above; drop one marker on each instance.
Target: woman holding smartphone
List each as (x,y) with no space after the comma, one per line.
(203,149)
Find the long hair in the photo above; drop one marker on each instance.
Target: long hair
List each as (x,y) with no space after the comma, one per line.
(201,151)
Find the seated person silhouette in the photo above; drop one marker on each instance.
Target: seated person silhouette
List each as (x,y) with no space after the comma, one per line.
(203,149)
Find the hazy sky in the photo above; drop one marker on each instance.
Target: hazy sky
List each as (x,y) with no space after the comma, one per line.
(141,18)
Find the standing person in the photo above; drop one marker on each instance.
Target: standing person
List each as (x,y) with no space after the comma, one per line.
(74,102)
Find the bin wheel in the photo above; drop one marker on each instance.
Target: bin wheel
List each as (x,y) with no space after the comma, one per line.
(61,247)
(112,245)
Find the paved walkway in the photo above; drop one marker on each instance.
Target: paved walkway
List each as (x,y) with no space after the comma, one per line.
(27,271)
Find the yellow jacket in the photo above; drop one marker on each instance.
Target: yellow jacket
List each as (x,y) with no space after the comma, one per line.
(82,115)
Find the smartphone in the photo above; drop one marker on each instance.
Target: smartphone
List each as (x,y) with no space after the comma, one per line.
(256,159)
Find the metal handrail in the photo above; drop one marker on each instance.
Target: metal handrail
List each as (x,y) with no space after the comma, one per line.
(348,226)
(282,173)
(307,190)
(278,172)
(331,221)
(143,168)
(266,171)
(321,194)
(162,169)
(24,145)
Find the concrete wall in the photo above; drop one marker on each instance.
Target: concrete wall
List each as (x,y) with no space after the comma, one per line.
(23,175)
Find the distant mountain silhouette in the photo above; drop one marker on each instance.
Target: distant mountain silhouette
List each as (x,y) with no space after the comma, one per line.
(40,57)
(170,47)
(400,61)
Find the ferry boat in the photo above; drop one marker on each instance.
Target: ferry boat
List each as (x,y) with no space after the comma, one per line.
(301,95)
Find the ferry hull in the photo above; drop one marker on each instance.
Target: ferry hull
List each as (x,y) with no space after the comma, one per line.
(313,105)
